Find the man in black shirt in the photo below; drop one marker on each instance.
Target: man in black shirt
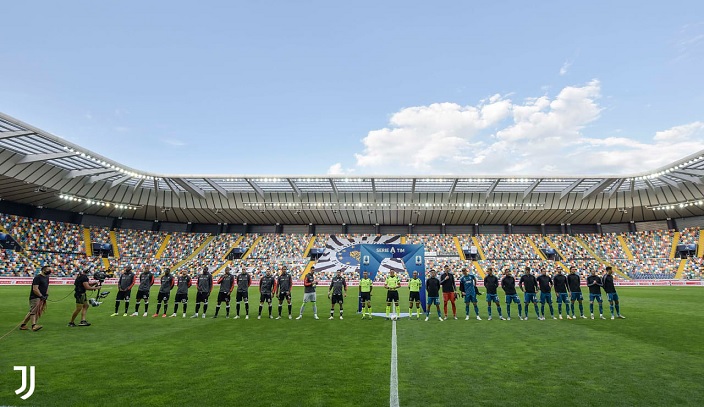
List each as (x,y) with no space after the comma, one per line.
(267,288)
(545,284)
(227,284)
(610,291)
(574,284)
(80,287)
(594,283)
(508,284)
(124,289)
(283,289)
(528,284)
(491,283)
(560,284)
(432,286)
(204,286)
(37,299)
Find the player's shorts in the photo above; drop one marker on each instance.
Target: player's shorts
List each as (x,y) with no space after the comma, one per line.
(163,297)
(202,297)
(392,296)
(470,298)
(448,297)
(414,296)
(492,298)
(433,300)
(513,298)
(284,295)
(33,302)
(577,296)
(309,297)
(365,296)
(562,297)
(612,296)
(142,294)
(264,297)
(81,298)
(242,296)
(546,297)
(123,295)
(337,299)
(530,297)
(181,298)
(596,297)
(223,297)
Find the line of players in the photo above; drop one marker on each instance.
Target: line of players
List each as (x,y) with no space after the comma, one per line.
(567,289)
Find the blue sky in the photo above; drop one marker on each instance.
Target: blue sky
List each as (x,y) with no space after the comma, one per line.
(392,87)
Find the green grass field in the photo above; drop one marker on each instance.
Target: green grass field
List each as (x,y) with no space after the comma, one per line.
(654,357)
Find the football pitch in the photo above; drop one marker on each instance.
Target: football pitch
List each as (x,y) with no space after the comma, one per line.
(654,357)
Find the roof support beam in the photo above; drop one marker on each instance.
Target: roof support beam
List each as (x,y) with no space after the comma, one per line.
(172,185)
(90,171)
(669,182)
(685,177)
(373,186)
(697,173)
(185,184)
(600,186)
(255,187)
(454,185)
(294,186)
(492,187)
(570,188)
(216,186)
(96,178)
(11,134)
(413,186)
(615,187)
(531,188)
(119,181)
(334,187)
(31,158)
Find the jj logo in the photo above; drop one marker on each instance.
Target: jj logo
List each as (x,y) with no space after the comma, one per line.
(30,391)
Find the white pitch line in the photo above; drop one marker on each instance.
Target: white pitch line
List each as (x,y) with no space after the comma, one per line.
(393,386)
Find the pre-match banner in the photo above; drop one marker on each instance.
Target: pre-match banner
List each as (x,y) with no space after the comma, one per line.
(343,253)
(403,259)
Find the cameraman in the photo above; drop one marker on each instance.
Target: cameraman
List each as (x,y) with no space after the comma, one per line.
(81,285)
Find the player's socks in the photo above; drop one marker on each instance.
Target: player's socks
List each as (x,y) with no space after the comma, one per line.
(127,306)
(280,308)
(332,311)
(237,309)
(466,310)
(611,307)
(601,309)
(184,308)
(536,309)
(388,310)
(340,311)
(260,310)
(217,310)
(418,312)
(146,306)
(618,309)
(315,309)
(166,307)
(303,307)
(520,310)
(552,311)
(591,308)
(488,310)
(197,308)
(270,308)
(227,310)
(176,308)
(508,310)
(439,314)
(289,309)
(117,306)
(476,310)
(136,307)
(410,312)
(205,308)
(581,309)
(158,307)
(542,310)
(370,310)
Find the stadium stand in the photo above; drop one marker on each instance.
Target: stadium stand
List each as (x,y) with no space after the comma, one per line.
(606,245)
(514,247)
(44,235)
(443,245)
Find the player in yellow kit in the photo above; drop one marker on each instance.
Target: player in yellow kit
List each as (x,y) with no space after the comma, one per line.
(365,294)
(414,286)
(392,284)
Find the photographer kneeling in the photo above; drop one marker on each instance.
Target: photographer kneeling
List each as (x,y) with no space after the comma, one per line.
(81,286)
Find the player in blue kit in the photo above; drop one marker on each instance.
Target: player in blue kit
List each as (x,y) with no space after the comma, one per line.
(528,284)
(545,284)
(610,291)
(491,283)
(559,282)
(594,283)
(468,288)
(574,286)
(508,284)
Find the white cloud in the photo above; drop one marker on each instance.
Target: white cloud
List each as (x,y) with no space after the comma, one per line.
(565,67)
(540,135)
(336,169)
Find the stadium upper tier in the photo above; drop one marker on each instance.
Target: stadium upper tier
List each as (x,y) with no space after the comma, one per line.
(30,243)
(44,170)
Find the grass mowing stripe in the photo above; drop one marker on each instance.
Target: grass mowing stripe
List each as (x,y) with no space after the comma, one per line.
(393,386)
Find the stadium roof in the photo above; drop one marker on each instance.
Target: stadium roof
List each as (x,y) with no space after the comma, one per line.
(41,169)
